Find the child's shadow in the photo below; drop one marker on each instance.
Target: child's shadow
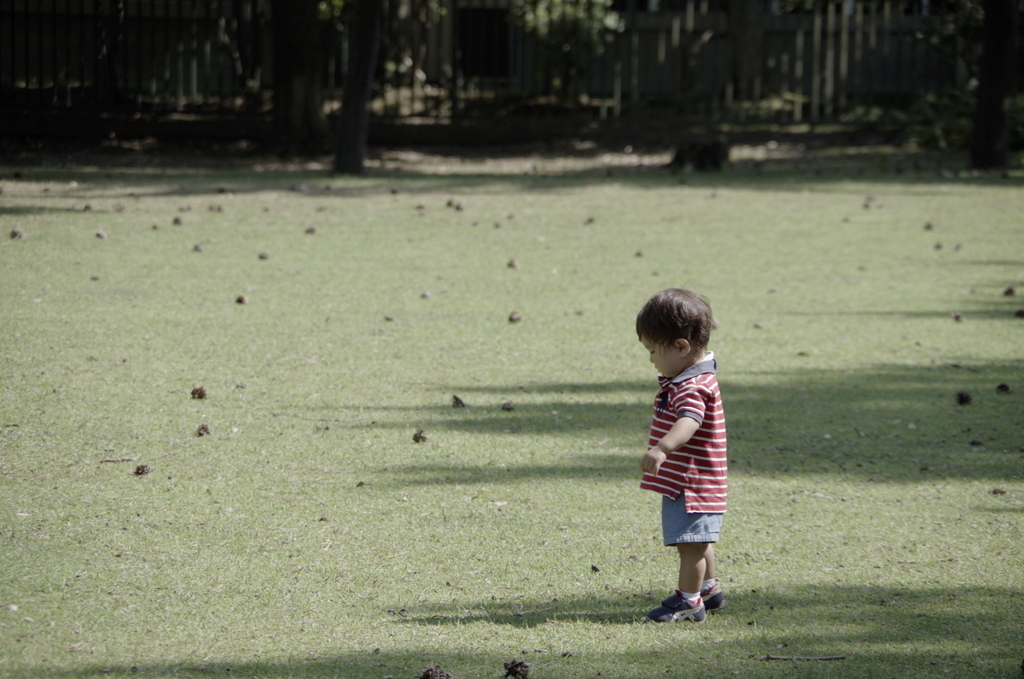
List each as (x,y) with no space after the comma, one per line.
(617,609)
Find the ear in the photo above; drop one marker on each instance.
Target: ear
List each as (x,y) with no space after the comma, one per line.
(682,345)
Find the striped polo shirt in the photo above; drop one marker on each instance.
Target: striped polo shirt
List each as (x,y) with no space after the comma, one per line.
(699,466)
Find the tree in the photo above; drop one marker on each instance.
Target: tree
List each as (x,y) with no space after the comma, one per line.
(354,120)
(997,79)
(299,121)
(746,24)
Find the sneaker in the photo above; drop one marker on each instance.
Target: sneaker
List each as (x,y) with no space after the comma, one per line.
(714,598)
(675,609)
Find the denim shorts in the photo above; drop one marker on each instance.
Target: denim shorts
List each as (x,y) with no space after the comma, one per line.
(678,526)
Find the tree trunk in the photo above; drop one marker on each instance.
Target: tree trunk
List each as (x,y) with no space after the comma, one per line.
(746,26)
(299,122)
(997,78)
(354,120)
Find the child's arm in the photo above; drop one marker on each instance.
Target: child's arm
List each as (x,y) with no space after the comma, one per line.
(679,434)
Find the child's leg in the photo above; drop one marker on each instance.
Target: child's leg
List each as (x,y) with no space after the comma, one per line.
(696,563)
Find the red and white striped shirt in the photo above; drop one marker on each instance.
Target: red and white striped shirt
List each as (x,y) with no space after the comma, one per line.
(699,466)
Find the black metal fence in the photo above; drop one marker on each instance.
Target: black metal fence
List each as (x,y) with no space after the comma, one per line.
(447,58)
(135,54)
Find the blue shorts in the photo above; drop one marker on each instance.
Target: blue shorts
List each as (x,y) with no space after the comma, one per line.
(678,526)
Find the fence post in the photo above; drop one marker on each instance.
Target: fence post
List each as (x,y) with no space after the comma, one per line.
(194,56)
(617,89)
(844,57)
(634,58)
(886,24)
(798,76)
(830,57)
(816,64)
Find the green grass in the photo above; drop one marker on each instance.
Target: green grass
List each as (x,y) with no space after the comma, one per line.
(309,536)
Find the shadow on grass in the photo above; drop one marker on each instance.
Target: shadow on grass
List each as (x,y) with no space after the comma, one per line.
(822,171)
(23,211)
(1006,309)
(863,614)
(887,423)
(898,631)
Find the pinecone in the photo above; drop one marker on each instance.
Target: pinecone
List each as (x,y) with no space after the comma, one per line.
(142,469)
(435,672)
(420,436)
(199,392)
(517,669)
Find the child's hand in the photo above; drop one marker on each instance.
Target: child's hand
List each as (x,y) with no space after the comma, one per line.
(651,461)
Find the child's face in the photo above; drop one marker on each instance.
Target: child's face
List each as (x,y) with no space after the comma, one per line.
(670,359)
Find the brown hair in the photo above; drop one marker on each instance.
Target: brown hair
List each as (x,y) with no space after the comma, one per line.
(676,314)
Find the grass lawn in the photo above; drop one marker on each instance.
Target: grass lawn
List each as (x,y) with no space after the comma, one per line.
(872,516)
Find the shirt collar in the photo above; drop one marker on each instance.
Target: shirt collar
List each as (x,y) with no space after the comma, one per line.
(705,365)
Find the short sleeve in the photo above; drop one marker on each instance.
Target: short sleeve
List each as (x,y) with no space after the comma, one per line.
(691,401)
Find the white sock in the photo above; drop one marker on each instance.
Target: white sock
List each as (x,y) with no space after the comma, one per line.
(708,584)
(692,598)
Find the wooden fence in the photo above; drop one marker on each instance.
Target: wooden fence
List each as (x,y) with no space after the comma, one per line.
(447,58)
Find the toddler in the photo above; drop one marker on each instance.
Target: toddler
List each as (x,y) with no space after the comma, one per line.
(686,457)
